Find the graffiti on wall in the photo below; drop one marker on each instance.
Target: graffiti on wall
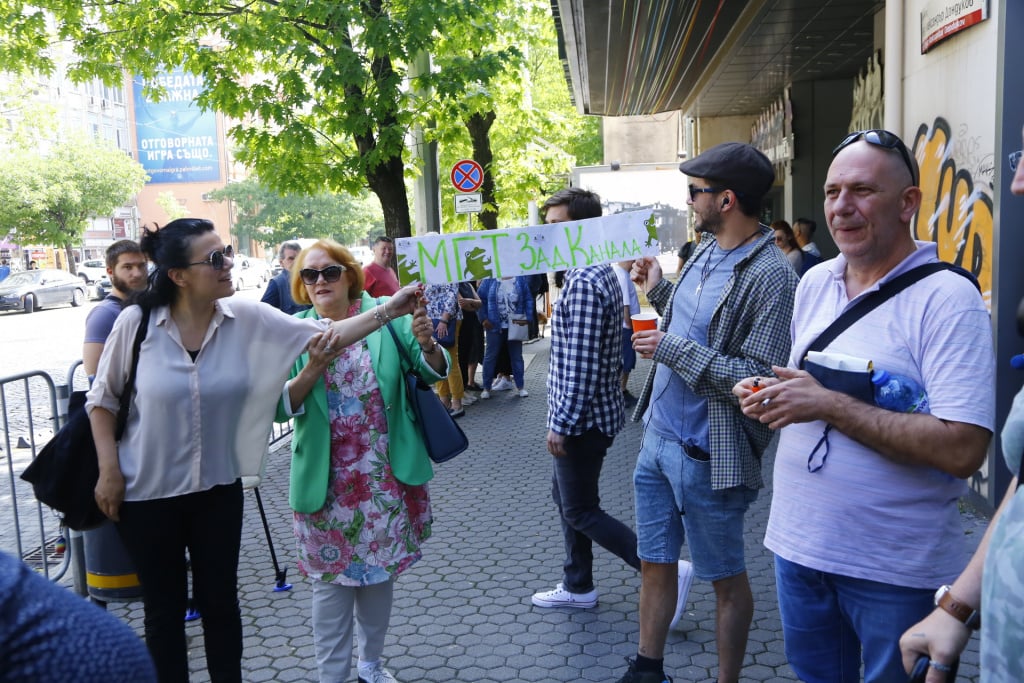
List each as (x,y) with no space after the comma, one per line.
(956,202)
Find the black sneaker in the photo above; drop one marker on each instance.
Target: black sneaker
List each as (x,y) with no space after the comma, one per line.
(634,676)
(629,399)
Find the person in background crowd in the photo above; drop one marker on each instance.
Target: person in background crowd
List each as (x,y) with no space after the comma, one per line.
(699,467)
(126,266)
(803,231)
(471,338)
(850,475)
(785,241)
(279,290)
(50,635)
(991,583)
(359,471)
(585,411)
(443,306)
(210,371)
(5,269)
(630,307)
(380,277)
(502,302)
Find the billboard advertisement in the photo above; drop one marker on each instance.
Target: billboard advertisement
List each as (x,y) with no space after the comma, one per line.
(177,141)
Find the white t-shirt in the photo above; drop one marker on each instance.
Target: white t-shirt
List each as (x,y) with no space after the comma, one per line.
(628,293)
(863,515)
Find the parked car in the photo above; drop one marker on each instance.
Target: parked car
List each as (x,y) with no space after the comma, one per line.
(31,290)
(248,272)
(102,288)
(92,271)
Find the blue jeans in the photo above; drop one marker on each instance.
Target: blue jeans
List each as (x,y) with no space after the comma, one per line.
(495,339)
(674,500)
(574,488)
(156,534)
(828,620)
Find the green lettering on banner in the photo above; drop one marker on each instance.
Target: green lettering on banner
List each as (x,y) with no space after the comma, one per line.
(575,250)
(558,262)
(462,270)
(439,254)
(494,236)
(524,237)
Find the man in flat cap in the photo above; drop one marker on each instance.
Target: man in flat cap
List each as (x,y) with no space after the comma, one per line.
(699,467)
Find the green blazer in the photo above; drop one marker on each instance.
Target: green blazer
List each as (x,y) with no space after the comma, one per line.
(311,440)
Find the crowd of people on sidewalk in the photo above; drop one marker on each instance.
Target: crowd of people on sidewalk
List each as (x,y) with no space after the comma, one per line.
(864,524)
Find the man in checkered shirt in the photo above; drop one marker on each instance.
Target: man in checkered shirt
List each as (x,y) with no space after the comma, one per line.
(585,411)
(699,466)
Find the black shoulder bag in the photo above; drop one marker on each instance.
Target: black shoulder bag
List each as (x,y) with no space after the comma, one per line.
(442,435)
(64,473)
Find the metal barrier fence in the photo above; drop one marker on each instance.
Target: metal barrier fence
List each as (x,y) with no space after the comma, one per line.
(32,408)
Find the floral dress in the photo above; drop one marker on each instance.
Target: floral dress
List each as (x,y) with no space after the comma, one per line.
(371,525)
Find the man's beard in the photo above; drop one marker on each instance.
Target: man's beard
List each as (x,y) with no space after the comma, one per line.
(122,285)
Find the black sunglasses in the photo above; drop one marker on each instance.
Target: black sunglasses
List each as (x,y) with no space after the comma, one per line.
(880,138)
(216,258)
(694,191)
(310,276)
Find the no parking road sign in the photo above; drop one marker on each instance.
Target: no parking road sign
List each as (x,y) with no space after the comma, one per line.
(467,175)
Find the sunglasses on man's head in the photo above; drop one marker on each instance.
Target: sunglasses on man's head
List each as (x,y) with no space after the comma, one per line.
(880,138)
(311,276)
(216,258)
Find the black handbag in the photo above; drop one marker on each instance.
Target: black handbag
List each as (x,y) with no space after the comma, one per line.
(442,436)
(65,471)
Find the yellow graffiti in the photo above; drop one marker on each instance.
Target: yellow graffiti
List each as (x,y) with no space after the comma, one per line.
(954,213)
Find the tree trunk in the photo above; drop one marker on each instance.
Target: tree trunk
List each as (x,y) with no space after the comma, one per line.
(387,181)
(479,127)
(69,254)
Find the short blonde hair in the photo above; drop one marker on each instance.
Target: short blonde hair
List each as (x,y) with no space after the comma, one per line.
(339,254)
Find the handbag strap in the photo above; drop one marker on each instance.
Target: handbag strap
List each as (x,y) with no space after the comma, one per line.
(401,349)
(129,387)
(878,297)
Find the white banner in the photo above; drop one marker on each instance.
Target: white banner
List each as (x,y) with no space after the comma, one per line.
(457,257)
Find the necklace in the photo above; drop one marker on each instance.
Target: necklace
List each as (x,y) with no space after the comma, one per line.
(707,268)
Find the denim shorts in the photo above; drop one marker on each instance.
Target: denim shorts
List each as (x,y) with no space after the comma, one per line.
(674,501)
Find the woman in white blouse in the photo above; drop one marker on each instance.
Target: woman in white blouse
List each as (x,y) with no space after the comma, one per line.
(210,373)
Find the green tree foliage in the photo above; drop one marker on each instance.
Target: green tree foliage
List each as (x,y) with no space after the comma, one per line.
(48,197)
(510,111)
(319,88)
(171,206)
(270,218)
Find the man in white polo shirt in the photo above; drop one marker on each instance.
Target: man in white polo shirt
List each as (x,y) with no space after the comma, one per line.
(864,521)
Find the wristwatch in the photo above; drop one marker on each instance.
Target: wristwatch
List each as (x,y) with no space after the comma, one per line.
(960,611)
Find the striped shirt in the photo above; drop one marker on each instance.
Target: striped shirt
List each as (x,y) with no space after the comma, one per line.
(749,332)
(586,354)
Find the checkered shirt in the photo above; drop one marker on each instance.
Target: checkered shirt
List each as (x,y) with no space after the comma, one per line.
(586,354)
(749,332)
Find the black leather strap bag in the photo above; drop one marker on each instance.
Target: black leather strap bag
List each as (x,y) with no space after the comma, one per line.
(64,473)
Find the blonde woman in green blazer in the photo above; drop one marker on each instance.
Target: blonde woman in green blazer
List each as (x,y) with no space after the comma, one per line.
(359,468)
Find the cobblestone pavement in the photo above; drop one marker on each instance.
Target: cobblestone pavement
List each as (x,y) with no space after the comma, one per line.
(463,612)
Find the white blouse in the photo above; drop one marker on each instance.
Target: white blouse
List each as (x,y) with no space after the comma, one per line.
(196,425)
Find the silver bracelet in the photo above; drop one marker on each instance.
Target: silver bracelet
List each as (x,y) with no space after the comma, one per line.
(433,349)
(381,318)
(386,314)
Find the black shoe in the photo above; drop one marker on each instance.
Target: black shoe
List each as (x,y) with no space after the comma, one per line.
(634,676)
(629,398)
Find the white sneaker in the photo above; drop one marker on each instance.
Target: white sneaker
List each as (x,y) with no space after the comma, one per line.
(523,393)
(502,385)
(563,598)
(485,394)
(468,400)
(375,674)
(683,591)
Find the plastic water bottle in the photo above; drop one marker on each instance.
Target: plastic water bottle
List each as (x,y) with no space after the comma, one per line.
(899,393)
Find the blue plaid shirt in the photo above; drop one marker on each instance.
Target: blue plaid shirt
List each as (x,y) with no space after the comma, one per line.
(586,354)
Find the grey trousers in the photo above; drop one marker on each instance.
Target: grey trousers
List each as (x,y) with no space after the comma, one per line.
(335,610)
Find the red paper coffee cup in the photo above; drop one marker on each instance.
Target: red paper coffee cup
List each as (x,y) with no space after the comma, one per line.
(644,321)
